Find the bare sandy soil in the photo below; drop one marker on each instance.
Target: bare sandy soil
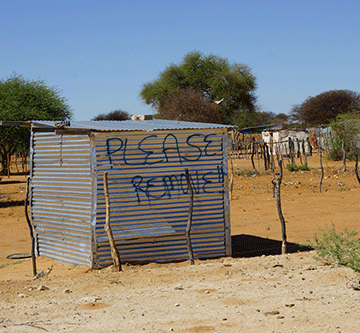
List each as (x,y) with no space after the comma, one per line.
(256,290)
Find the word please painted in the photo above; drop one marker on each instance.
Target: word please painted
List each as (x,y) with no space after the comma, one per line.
(166,186)
(199,144)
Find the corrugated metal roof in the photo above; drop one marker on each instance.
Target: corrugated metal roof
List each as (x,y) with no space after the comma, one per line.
(131,125)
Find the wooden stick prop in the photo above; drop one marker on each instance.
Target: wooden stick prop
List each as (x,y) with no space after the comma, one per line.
(114,251)
(31,228)
(278,202)
(188,227)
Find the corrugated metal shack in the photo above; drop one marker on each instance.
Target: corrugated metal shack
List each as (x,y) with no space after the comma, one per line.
(149,199)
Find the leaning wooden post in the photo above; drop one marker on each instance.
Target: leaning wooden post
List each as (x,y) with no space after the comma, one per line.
(278,202)
(188,227)
(33,258)
(114,251)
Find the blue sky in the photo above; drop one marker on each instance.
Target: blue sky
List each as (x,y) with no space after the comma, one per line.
(100,53)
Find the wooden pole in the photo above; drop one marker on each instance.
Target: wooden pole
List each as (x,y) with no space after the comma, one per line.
(231,175)
(356,163)
(299,151)
(278,202)
(303,152)
(310,146)
(252,155)
(114,251)
(344,154)
(8,165)
(188,227)
(33,258)
(322,169)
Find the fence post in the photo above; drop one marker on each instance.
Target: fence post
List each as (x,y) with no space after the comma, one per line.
(278,202)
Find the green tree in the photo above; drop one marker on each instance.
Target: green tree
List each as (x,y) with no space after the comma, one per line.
(212,77)
(23,100)
(113,115)
(345,130)
(321,109)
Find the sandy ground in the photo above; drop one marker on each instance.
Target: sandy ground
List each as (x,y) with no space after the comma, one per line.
(256,290)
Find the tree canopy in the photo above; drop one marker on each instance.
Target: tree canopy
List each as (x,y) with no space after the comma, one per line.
(22,100)
(321,109)
(113,115)
(211,79)
(188,105)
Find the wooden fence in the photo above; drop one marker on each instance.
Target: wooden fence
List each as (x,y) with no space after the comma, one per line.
(18,164)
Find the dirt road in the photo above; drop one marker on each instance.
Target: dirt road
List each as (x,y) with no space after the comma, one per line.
(266,293)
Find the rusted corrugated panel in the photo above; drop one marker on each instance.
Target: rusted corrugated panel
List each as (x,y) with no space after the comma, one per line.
(61,196)
(149,196)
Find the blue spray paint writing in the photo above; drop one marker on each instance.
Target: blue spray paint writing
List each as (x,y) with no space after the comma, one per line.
(154,188)
(170,144)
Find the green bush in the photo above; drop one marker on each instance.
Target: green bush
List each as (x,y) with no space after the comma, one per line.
(294,167)
(342,248)
(245,172)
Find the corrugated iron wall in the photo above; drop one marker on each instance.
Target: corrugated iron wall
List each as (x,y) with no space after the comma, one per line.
(149,197)
(61,202)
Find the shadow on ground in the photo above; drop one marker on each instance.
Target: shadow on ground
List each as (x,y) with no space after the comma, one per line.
(12,203)
(253,246)
(8,182)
